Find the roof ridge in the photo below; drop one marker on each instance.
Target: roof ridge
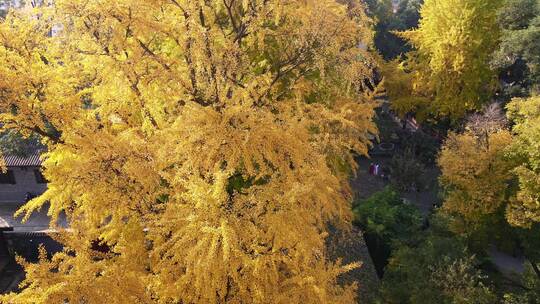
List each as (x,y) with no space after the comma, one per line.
(33,159)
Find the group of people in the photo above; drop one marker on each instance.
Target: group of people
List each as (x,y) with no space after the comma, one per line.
(377,170)
(374,169)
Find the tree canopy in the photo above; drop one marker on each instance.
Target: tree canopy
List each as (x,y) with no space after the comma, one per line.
(488,167)
(525,205)
(475,174)
(385,216)
(447,74)
(438,269)
(191,139)
(388,21)
(518,53)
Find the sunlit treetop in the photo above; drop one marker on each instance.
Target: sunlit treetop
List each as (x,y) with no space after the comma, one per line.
(193,138)
(524,209)
(448,72)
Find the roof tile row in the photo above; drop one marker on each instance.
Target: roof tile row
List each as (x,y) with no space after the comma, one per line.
(32,160)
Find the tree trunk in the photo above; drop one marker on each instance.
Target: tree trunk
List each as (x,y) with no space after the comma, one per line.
(535,267)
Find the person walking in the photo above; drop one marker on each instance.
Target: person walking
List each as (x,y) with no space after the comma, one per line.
(385,174)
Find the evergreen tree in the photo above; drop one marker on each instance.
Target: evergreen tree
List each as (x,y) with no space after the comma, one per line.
(518,54)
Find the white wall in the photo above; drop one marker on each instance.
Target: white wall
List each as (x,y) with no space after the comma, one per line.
(25,182)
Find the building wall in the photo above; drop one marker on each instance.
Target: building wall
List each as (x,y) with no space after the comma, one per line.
(25,181)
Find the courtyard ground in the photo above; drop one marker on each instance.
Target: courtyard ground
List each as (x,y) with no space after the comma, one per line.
(38,221)
(364,185)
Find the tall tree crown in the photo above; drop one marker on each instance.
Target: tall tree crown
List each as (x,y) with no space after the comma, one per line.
(448,73)
(193,138)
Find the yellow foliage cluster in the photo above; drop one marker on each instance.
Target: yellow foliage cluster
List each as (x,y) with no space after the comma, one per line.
(475,173)
(191,138)
(500,169)
(524,208)
(448,73)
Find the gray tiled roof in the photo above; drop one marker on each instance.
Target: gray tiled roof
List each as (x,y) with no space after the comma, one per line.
(31,160)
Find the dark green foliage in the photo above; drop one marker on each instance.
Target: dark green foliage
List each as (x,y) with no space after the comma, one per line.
(440,269)
(422,146)
(388,223)
(518,55)
(530,240)
(386,216)
(163,198)
(237,183)
(406,17)
(406,171)
(13,143)
(408,13)
(387,127)
(517,14)
(530,243)
(530,291)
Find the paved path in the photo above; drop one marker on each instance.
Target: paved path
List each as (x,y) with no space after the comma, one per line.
(364,185)
(508,265)
(38,222)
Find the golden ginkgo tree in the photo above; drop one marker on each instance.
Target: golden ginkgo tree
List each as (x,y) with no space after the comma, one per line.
(491,170)
(448,73)
(193,141)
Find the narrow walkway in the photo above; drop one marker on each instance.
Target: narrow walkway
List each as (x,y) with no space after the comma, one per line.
(38,222)
(510,266)
(364,185)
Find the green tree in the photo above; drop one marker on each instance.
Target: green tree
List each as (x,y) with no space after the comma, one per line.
(388,224)
(406,171)
(387,43)
(14,143)
(529,239)
(386,216)
(439,269)
(530,289)
(408,13)
(518,54)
